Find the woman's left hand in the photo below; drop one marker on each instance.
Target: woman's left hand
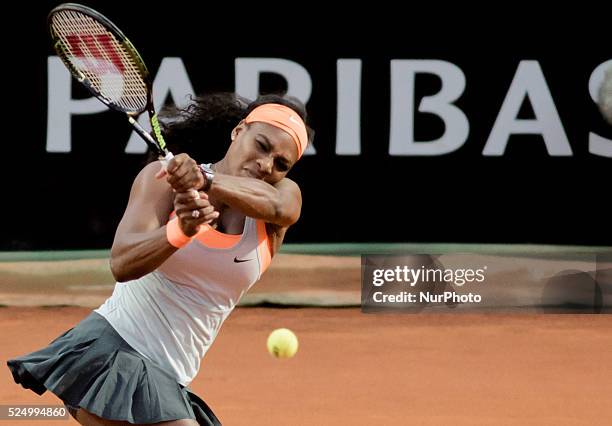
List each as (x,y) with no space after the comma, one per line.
(182,173)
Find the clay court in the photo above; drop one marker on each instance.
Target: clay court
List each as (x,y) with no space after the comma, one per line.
(352,368)
(362,369)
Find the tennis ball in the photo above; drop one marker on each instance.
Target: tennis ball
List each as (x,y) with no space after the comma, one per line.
(282,343)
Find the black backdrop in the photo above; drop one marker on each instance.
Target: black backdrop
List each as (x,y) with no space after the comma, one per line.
(75,200)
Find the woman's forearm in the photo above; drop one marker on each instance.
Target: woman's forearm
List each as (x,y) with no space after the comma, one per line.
(252,197)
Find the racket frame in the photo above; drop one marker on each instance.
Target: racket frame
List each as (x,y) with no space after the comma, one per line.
(157,141)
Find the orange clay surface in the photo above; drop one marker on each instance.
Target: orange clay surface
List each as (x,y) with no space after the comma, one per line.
(374,369)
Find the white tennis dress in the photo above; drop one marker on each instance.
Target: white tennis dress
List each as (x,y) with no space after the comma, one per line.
(173,314)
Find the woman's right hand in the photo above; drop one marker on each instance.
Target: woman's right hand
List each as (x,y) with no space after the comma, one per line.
(193,209)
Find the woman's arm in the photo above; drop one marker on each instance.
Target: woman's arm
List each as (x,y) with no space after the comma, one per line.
(140,244)
(278,205)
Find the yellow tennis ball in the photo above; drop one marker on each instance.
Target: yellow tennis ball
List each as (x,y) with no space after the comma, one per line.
(282,343)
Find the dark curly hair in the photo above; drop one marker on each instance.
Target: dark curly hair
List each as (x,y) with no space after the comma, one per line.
(202,129)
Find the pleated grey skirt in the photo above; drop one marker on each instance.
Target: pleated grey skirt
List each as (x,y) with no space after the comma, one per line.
(92,367)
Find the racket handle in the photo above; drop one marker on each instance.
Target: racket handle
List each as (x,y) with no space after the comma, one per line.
(147,137)
(164,163)
(164,160)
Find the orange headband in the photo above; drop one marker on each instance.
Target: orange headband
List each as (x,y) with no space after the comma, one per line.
(285,119)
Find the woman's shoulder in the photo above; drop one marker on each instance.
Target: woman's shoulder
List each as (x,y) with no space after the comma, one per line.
(287,184)
(149,174)
(150,169)
(148,183)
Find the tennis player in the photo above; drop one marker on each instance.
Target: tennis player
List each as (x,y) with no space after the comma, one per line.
(192,241)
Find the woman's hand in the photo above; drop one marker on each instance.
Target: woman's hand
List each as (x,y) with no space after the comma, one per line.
(182,173)
(193,209)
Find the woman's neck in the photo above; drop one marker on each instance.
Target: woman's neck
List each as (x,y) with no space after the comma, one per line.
(220,167)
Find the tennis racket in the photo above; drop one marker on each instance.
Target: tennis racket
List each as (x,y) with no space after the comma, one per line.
(101,58)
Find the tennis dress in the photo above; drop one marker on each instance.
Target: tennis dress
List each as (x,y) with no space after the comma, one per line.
(133,358)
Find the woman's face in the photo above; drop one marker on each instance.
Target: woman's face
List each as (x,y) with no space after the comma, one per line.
(262,151)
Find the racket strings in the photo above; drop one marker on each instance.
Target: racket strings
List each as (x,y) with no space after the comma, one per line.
(95,52)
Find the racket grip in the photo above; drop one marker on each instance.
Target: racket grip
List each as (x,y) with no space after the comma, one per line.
(164,163)
(164,160)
